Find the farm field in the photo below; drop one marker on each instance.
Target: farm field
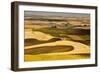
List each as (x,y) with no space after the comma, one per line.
(54,38)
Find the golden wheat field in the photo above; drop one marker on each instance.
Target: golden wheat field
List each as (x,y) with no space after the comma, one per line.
(56,36)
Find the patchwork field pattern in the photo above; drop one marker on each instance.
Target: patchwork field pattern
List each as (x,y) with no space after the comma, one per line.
(56,36)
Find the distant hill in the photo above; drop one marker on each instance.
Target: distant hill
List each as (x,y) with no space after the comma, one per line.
(37,35)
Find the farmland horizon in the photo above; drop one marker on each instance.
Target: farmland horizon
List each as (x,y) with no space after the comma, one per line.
(56,35)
